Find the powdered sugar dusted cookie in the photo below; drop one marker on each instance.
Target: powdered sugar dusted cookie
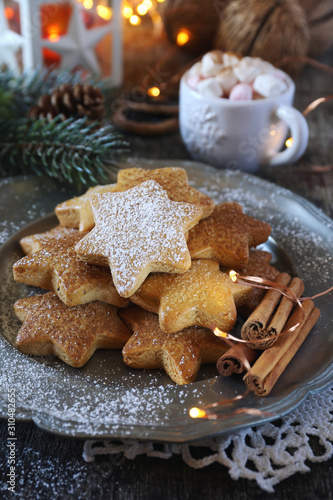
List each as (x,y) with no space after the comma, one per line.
(77,212)
(179,354)
(71,333)
(54,265)
(137,232)
(227,235)
(174,180)
(203,296)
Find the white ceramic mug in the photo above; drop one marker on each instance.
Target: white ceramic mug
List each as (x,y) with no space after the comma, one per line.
(242,134)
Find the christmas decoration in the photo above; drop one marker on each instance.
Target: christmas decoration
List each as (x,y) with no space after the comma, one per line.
(270,29)
(10,42)
(267,29)
(77,46)
(70,101)
(23,37)
(68,34)
(146,118)
(74,150)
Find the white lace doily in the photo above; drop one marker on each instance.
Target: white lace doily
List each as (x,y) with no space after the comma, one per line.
(267,453)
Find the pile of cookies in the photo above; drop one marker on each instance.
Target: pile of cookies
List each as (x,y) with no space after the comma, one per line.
(140,265)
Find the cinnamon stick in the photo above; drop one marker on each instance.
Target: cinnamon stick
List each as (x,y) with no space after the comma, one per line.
(263,375)
(254,327)
(286,305)
(232,361)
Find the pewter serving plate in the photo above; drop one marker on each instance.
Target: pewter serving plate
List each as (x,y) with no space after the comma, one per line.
(107,399)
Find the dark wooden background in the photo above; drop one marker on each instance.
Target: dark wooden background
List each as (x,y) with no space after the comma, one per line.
(51,467)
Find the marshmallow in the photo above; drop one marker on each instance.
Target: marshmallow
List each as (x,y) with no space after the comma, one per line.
(230,59)
(193,80)
(263,66)
(194,75)
(247,69)
(210,87)
(269,85)
(212,63)
(227,79)
(241,92)
(195,69)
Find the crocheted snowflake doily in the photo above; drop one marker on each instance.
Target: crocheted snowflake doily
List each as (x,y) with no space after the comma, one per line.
(267,453)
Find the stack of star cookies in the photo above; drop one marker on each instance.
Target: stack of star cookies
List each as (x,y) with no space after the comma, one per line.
(140,265)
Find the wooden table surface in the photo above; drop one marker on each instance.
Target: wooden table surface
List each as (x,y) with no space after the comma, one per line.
(51,467)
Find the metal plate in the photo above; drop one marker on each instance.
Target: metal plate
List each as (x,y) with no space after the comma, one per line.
(107,399)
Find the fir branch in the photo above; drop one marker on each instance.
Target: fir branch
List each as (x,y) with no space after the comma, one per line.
(73,150)
(7,105)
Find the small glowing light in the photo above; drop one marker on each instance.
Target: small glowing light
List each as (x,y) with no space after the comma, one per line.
(153,91)
(148,4)
(233,276)
(156,18)
(88,4)
(54,38)
(197,413)
(127,12)
(104,12)
(160,1)
(289,142)
(182,38)
(142,9)
(273,132)
(219,333)
(9,13)
(135,20)
(53,34)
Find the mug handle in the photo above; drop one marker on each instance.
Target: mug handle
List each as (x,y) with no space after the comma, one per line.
(299,133)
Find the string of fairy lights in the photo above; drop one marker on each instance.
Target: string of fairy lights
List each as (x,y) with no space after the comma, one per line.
(133,11)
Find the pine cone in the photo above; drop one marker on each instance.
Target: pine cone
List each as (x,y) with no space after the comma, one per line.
(70,101)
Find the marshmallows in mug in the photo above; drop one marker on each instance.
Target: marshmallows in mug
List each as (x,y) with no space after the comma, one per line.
(225,74)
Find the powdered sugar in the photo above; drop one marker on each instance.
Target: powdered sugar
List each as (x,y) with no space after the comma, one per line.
(137,232)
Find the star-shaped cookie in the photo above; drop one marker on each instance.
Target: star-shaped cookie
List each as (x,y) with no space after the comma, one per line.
(179,354)
(227,235)
(33,242)
(77,212)
(203,296)
(137,232)
(173,179)
(54,265)
(71,333)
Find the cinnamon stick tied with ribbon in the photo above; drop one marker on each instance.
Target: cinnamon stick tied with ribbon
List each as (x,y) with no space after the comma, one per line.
(269,318)
(232,361)
(263,375)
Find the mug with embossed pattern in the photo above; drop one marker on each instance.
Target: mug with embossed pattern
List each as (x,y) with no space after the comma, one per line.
(242,134)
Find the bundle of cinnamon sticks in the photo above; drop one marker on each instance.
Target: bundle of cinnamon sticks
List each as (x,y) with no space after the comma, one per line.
(273,334)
